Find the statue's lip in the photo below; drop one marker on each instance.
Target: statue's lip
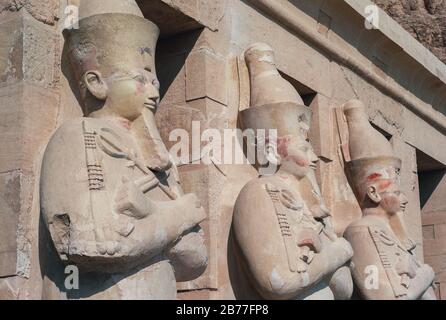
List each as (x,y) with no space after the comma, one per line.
(150,105)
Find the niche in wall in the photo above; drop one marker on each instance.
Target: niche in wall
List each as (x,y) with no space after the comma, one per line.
(432,188)
(169,20)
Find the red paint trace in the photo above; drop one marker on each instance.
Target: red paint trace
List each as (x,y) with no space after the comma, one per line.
(282,146)
(385,184)
(374,176)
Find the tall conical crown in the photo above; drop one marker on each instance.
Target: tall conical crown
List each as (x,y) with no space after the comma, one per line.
(275,103)
(372,155)
(364,140)
(112,36)
(267,85)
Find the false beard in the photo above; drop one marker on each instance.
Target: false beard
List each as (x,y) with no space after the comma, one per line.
(152,148)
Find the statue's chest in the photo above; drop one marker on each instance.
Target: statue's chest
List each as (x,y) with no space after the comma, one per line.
(392,253)
(389,246)
(399,264)
(292,213)
(111,156)
(300,232)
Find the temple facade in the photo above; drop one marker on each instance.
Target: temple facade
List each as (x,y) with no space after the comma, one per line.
(328,52)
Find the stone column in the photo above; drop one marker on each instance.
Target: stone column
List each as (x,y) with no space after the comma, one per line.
(29,98)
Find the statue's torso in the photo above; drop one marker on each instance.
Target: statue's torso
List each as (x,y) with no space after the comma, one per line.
(301,222)
(395,257)
(296,228)
(87,160)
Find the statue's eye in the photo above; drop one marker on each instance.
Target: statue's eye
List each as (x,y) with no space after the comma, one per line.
(140,78)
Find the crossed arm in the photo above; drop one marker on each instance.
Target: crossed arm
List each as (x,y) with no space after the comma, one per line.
(261,244)
(366,261)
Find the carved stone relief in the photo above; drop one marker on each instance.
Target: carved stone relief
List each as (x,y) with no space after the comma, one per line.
(110,195)
(384,264)
(282,228)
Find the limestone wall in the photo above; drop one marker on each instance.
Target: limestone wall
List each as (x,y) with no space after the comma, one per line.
(29,95)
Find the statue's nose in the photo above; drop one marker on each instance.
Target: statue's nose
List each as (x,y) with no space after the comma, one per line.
(314,158)
(404,201)
(153,92)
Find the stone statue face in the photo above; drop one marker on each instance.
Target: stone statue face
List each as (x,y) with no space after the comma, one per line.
(130,93)
(387,195)
(297,155)
(127,93)
(391,199)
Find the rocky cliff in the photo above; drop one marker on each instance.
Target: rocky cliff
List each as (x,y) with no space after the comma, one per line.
(424,19)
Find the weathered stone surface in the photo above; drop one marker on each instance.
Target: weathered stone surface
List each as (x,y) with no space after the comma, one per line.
(11,50)
(178,16)
(7,292)
(10,197)
(206,77)
(31,125)
(29,51)
(29,69)
(181,117)
(46,11)
(41,56)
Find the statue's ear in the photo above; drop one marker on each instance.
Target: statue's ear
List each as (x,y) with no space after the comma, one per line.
(95,84)
(373,194)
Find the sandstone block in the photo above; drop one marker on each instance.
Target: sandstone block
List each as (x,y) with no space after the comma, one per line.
(205,77)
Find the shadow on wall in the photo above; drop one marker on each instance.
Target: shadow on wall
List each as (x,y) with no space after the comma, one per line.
(430,174)
(171,56)
(65,65)
(429,181)
(169,20)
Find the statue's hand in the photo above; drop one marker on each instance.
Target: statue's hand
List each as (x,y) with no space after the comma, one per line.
(427,272)
(131,201)
(193,208)
(341,283)
(406,266)
(342,248)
